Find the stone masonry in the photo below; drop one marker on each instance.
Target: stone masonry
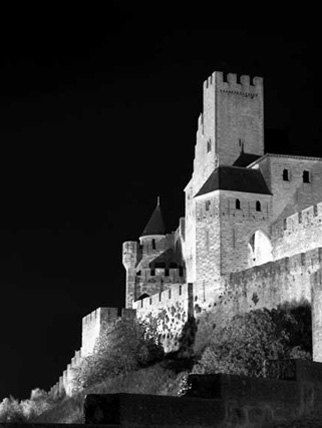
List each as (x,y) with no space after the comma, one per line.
(251,235)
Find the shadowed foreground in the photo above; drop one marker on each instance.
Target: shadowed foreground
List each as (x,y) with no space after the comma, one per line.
(215,401)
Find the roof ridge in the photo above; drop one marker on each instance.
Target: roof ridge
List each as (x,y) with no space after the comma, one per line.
(282,155)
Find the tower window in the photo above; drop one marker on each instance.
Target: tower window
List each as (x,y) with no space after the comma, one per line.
(152,272)
(237,204)
(208,145)
(241,144)
(306,176)
(258,206)
(207,205)
(153,244)
(285,175)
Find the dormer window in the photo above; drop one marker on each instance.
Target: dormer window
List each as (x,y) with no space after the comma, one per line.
(237,204)
(306,177)
(258,206)
(209,145)
(285,175)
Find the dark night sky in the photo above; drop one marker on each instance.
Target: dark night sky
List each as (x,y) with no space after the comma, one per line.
(98,115)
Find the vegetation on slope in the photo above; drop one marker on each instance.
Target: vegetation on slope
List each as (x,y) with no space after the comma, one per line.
(251,341)
(129,359)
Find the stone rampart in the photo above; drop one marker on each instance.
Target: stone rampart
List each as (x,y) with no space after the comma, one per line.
(214,303)
(167,311)
(266,286)
(299,232)
(93,326)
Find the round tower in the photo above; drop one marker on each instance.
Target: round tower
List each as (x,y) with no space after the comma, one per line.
(130,260)
(152,237)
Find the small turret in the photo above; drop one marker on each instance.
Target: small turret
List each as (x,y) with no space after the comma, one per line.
(154,232)
(130,260)
(130,254)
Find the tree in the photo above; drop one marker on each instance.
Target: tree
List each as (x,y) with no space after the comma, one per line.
(125,346)
(250,341)
(10,411)
(38,403)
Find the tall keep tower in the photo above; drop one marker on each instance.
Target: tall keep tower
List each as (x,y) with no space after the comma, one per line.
(232,122)
(231,127)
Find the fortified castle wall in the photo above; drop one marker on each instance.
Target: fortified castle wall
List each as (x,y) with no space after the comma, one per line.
(299,232)
(93,327)
(213,304)
(167,311)
(251,237)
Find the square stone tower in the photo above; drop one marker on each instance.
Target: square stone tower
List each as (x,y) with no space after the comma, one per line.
(231,127)
(232,122)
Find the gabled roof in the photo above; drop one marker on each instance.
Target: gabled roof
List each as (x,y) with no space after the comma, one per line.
(235,179)
(155,225)
(289,157)
(245,159)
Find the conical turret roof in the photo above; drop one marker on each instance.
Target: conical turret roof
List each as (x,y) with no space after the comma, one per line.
(155,225)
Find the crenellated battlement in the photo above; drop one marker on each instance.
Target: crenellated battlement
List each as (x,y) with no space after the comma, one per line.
(177,291)
(311,216)
(174,274)
(308,261)
(299,232)
(108,314)
(230,81)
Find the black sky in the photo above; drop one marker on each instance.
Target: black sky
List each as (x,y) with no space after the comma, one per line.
(98,115)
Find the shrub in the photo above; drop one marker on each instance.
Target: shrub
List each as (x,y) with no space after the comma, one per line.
(124,347)
(10,411)
(38,403)
(250,341)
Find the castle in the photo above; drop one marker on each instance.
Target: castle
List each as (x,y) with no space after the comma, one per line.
(251,236)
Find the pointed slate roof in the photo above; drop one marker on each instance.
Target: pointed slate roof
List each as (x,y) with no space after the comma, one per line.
(155,225)
(236,179)
(245,159)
